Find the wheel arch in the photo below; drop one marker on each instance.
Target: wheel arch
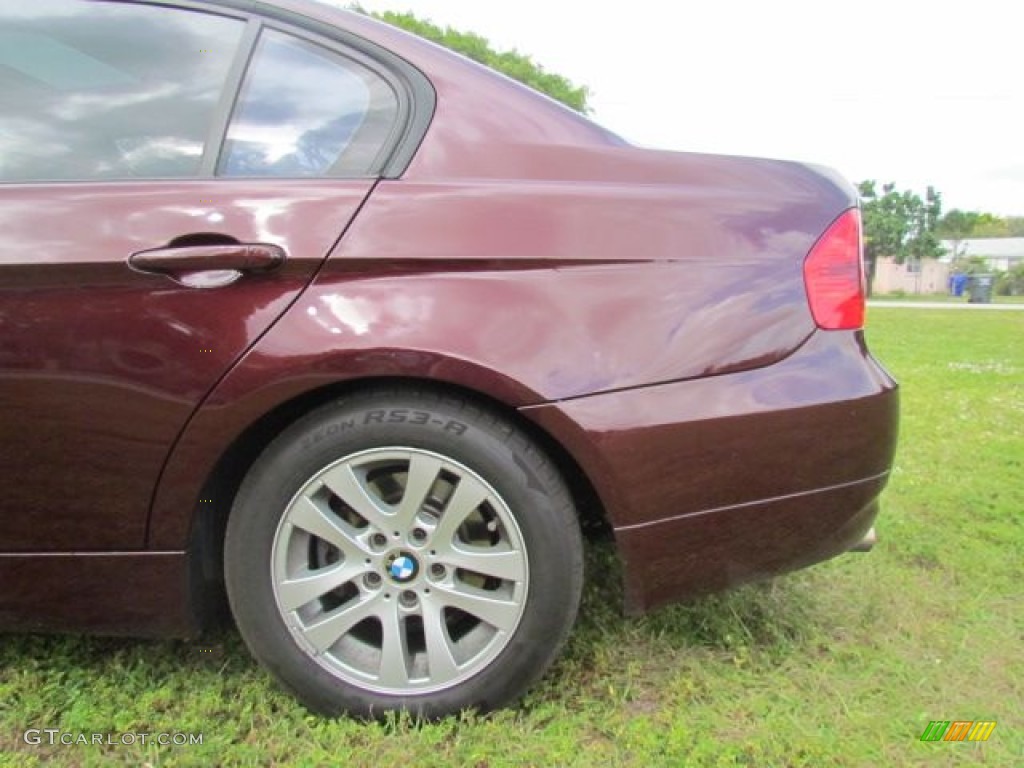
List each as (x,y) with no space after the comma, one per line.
(209,520)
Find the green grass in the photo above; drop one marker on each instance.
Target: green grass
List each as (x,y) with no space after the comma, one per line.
(944,298)
(840,665)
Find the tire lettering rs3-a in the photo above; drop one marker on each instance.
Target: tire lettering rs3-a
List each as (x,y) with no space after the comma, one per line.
(404,416)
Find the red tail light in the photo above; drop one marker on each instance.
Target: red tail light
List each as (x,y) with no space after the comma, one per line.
(834,275)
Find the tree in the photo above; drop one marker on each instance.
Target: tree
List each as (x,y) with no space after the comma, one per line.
(511,63)
(898,224)
(957,226)
(963,224)
(1015,226)
(990,225)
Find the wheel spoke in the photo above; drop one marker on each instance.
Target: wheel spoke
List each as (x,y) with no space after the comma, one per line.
(467,497)
(310,517)
(326,632)
(309,585)
(394,650)
(501,614)
(344,484)
(423,472)
(440,659)
(509,565)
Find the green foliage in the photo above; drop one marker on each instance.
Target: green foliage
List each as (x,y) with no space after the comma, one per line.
(989,225)
(1011,283)
(511,63)
(1015,226)
(900,224)
(971,265)
(956,226)
(959,225)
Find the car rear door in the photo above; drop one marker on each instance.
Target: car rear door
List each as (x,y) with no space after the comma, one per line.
(170,180)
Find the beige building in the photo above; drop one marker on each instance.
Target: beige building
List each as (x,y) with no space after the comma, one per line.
(932,275)
(925,276)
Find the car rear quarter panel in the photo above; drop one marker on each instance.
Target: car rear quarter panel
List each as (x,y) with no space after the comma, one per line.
(536,291)
(721,480)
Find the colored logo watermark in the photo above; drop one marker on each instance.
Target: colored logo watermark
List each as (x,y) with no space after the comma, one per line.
(958,730)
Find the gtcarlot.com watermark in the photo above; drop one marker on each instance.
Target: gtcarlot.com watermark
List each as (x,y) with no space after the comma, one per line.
(55,737)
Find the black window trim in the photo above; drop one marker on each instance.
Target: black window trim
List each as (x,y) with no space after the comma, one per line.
(217,132)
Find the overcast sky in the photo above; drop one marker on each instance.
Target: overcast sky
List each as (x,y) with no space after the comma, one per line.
(896,90)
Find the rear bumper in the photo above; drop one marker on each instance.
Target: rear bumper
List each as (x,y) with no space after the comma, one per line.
(720,480)
(733,545)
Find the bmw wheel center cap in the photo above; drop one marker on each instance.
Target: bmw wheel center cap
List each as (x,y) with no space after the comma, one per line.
(402,567)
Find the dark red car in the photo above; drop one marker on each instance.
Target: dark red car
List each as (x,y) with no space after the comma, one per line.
(294,302)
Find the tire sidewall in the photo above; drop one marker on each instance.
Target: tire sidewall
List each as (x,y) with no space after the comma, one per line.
(499,453)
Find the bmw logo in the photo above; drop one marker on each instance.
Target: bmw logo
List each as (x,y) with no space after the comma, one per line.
(402,568)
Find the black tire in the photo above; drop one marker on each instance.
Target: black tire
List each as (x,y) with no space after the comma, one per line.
(523,535)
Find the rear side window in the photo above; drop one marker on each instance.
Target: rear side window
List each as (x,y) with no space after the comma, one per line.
(306,111)
(96,91)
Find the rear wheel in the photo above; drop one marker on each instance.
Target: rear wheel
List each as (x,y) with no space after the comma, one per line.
(404,550)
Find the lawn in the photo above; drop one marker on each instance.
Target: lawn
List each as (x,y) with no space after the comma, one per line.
(943,298)
(843,664)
